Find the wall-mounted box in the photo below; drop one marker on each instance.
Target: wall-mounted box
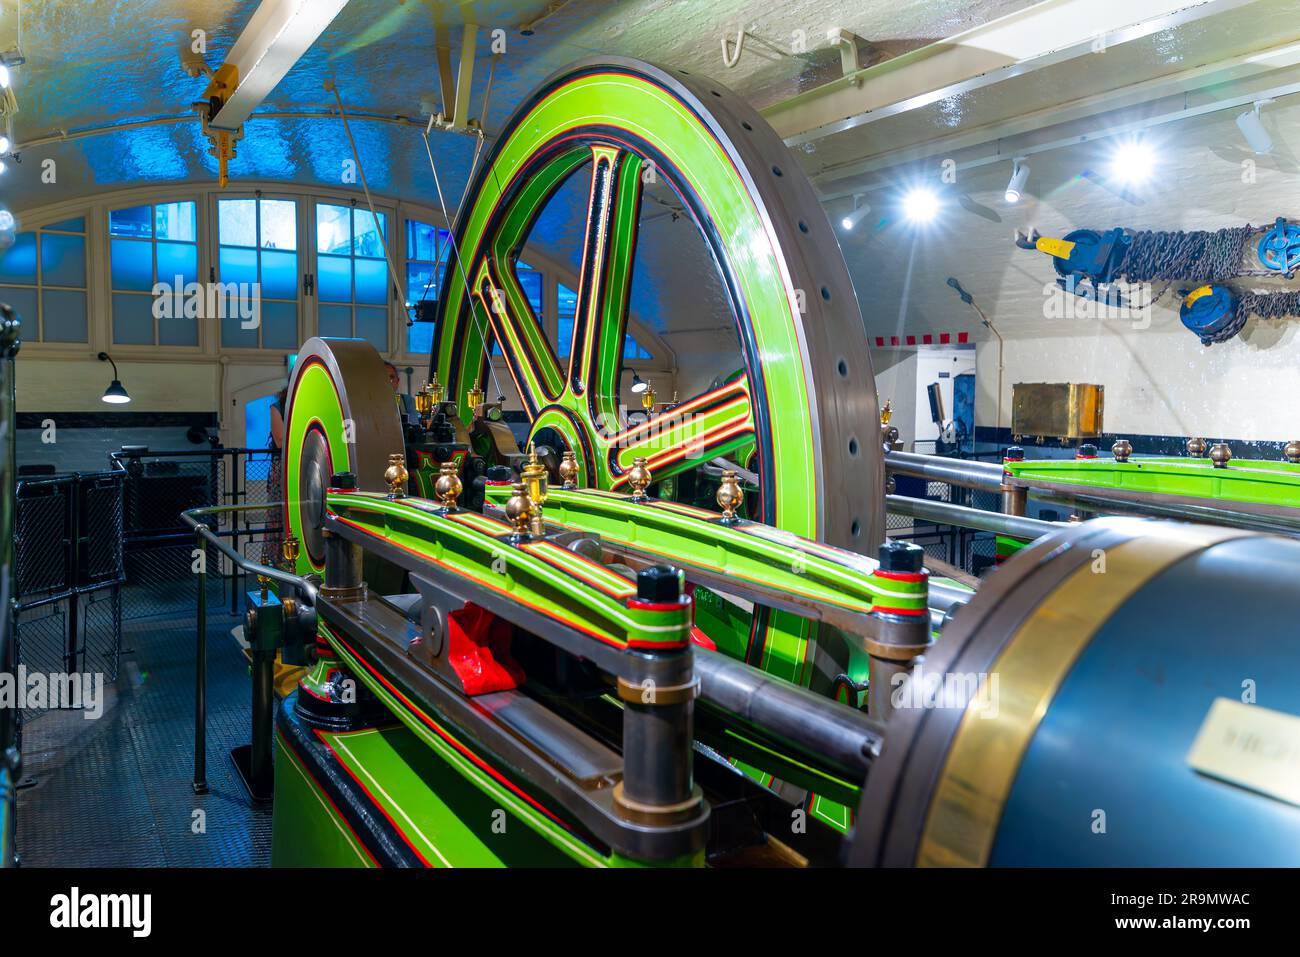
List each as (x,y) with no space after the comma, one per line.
(1057,410)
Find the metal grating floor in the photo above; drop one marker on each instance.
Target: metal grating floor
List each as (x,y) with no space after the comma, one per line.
(115,792)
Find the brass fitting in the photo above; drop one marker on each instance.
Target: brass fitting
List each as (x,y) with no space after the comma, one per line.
(648,398)
(1220,455)
(289,548)
(1292,452)
(730,495)
(534,476)
(569,470)
(474,399)
(396,475)
(639,478)
(1122,449)
(519,509)
(449,486)
(1196,448)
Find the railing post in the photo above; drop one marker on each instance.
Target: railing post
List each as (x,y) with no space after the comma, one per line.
(201,675)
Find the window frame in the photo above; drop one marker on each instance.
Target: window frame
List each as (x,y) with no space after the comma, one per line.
(106,245)
(33,335)
(395,253)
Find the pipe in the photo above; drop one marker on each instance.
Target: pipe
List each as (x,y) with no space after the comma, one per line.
(945,513)
(985,476)
(192,518)
(825,730)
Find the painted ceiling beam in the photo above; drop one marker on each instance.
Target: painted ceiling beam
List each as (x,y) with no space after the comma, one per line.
(277,36)
(1045,34)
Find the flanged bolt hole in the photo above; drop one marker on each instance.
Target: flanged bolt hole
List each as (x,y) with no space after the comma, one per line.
(826,294)
(803,227)
(715,92)
(842,368)
(853,446)
(776,171)
(856,528)
(746,126)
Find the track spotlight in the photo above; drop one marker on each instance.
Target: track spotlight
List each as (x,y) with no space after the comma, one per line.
(1016,185)
(860,210)
(1253,129)
(920,205)
(115,394)
(639,384)
(1132,163)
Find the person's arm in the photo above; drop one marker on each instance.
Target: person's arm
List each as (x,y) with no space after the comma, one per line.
(277,427)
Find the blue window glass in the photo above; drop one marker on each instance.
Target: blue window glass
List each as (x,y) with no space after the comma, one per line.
(334,278)
(77,225)
(530,280)
(279,325)
(175,221)
(179,329)
(23,302)
(279,274)
(178,259)
(131,265)
(132,319)
(634,350)
(63,260)
(423,240)
(372,281)
(367,234)
(419,338)
(258,244)
(234,335)
(237,222)
(279,224)
(136,221)
(372,324)
(18,264)
(63,315)
(421,282)
(566,309)
(333,229)
(335,321)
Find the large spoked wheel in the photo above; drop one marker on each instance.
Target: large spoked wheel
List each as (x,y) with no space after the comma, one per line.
(807,399)
(341,416)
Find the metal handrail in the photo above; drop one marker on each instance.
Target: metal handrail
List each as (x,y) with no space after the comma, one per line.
(306,588)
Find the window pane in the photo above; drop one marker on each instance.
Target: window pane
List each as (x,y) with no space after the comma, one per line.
(132,319)
(279,224)
(132,264)
(64,316)
(178,330)
(63,260)
(77,225)
(238,265)
(335,321)
(333,229)
(279,325)
(178,259)
(18,264)
(372,324)
(23,302)
(372,281)
(567,307)
(237,222)
(279,274)
(531,282)
(175,221)
(421,282)
(334,278)
(136,221)
(368,238)
(233,335)
(421,240)
(419,338)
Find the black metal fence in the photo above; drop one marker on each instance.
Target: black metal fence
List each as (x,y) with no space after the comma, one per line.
(68,575)
(967,549)
(159,551)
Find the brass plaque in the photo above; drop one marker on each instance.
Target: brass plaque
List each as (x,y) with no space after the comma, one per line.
(1251,747)
(1059,410)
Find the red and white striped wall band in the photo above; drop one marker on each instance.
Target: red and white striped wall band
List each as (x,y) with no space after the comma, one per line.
(937,339)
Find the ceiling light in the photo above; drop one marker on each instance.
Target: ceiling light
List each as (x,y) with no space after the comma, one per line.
(639,384)
(1253,129)
(116,393)
(1132,163)
(859,211)
(4,77)
(920,205)
(4,143)
(1016,185)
